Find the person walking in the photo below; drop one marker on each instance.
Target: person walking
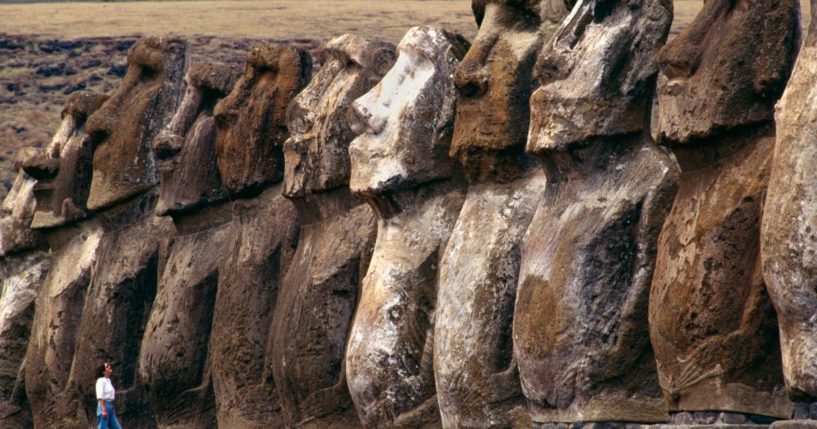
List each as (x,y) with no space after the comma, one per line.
(105,393)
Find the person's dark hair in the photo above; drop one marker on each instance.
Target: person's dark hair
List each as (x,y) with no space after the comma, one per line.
(100,370)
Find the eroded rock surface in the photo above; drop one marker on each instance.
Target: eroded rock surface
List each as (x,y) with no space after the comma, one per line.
(580,331)
(186,148)
(712,324)
(252,119)
(63,171)
(23,267)
(789,222)
(123,129)
(175,359)
(400,166)
(318,295)
(476,377)
(251,133)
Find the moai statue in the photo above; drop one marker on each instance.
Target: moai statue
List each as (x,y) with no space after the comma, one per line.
(123,277)
(788,230)
(476,376)
(251,133)
(23,267)
(63,170)
(401,167)
(580,331)
(174,350)
(317,297)
(63,174)
(713,328)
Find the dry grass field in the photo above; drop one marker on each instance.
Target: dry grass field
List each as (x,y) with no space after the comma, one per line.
(270,19)
(35,77)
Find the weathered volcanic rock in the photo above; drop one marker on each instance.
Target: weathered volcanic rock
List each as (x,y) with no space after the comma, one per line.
(186,148)
(580,332)
(790,224)
(16,212)
(476,377)
(173,360)
(251,134)
(63,171)
(55,327)
(252,119)
(318,295)
(400,166)
(123,129)
(117,305)
(265,231)
(713,327)
(23,267)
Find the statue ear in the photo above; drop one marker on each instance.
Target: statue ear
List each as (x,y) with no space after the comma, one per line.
(781,28)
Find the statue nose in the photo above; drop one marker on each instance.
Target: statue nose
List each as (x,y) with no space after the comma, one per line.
(363,118)
(471,80)
(167,145)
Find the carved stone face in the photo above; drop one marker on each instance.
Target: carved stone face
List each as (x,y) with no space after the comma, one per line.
(63,171)
(16,212)
(495,78)
(186,148)
(727,68)
(317,152)
(251,121)
(123,129)
(598,72)
(406,121)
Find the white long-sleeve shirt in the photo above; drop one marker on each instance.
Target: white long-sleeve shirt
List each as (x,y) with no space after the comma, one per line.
(104,389)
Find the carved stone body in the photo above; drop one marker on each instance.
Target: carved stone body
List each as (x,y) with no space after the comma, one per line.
(789,224)
(174,358)
(580,323)
(55,327)
(712,325)
(318,295)
(23,267)
(400,166)
(476,378)
(251,133)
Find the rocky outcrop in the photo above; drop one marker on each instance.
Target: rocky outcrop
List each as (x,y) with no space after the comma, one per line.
(580,324)
(476,377)
(712,325)
(400,166)
(789,220)
(319,293)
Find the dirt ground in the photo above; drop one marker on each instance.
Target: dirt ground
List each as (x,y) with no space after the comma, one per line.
(48,50)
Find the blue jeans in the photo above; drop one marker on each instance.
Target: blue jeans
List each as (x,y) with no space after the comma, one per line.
(107,422)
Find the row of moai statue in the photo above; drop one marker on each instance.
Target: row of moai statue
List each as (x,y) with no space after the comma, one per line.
(438,234)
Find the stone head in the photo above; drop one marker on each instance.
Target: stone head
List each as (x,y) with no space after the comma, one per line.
(251,120)
(16,212)
(495,79)
(727,68)
(405,123)
(63,171)
(186,148)
(598,73)
(317,151)
(123,129)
